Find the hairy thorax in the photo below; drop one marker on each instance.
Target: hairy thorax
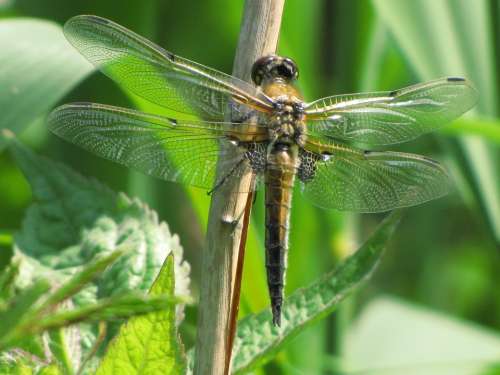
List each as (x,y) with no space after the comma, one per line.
(286,125)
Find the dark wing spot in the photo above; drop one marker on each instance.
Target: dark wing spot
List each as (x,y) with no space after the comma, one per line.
(455,79)
(169,55)
(394,93)
(173,121)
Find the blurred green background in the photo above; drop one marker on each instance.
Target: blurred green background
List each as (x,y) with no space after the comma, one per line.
(433,306)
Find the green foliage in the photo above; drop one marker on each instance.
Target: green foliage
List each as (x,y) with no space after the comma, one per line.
(35,71)
(432,35)
(443,256)
(488,129)
(148,344)
(77,230)
(258,340)
(34,310)
(82,219)
(21,368)
(464,348)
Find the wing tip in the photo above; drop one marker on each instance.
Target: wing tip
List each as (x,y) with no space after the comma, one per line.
(52,122)
(473,91)
(88,17)
(74,24)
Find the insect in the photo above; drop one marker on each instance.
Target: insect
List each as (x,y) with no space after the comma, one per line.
(266,129)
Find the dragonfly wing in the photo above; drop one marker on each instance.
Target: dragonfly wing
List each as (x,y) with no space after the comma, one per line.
(157,75)
(173,150)
(391,117)
(373,181)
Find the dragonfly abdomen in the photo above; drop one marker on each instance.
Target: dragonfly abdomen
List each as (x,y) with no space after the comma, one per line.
(279,179)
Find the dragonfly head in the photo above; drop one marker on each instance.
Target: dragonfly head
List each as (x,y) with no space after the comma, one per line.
(274,67)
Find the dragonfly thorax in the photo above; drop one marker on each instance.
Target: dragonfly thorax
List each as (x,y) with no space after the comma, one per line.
(286,125)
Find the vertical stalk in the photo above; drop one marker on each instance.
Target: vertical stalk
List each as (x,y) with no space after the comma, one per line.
(258,36)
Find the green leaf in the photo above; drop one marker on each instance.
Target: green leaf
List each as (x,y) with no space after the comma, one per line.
(5,239)
(83,219)
(75,220)
(37,68)
(7,282)
(22,319)
(79,280)
(106,309)
(148,344)
(22,368)
(50,370)
(489,129)
(18,310)
(257,340)
(9,368)
(59,348)
(440,344)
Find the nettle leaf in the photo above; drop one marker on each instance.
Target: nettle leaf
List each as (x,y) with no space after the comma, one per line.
(23,368)
(35,310)
(37,68)
(148,344)
(75,219)
(13,368)
(257,340)
(50,370)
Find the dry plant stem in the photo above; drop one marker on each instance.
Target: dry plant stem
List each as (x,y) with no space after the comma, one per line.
(235,303)
(258,37)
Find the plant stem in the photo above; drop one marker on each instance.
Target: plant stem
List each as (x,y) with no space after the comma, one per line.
(258,37)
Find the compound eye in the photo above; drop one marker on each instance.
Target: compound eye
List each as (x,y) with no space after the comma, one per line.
(257,75)
(260,68)
(291,67)
(285,71)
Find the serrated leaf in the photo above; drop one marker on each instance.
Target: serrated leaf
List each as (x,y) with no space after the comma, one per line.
(79,280)
(74,220)
(148,345)
(37,68)
(257,340)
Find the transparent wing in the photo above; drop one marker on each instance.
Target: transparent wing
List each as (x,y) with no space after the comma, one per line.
(158,75)
(173,150)
(382,118)
(351,180)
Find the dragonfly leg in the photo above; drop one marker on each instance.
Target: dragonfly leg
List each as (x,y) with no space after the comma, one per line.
(225,178)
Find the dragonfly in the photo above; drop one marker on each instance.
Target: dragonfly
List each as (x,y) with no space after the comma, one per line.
(265,128)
